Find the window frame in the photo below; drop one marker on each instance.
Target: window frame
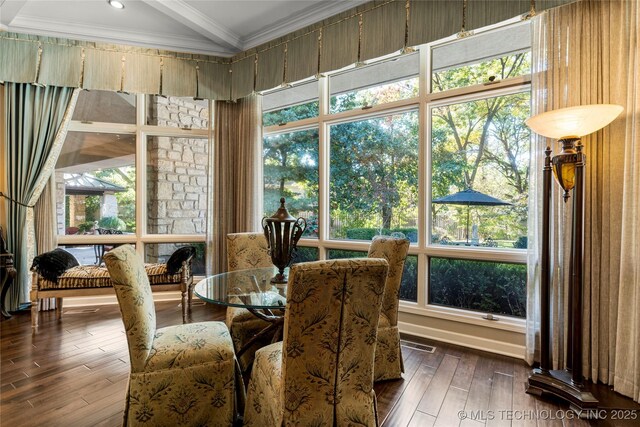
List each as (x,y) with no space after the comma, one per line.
(142,131)
(423,249)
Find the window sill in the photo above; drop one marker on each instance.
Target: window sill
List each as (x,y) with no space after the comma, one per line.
(504,323)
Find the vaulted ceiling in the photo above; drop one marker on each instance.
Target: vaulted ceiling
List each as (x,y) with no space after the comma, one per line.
(214,27)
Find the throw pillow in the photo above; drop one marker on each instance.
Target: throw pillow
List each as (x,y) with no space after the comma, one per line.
(174,264)
(53,264)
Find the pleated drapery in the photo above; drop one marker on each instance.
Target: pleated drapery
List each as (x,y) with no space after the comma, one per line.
(365,32)
(46,228)
(236,195)
(37,119)
(588,53)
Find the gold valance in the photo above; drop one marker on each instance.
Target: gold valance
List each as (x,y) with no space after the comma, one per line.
(373,29)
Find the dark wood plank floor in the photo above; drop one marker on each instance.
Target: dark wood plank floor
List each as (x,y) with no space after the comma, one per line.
(74,373)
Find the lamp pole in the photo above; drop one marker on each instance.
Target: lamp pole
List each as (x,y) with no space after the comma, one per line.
(566,125)
(576,268)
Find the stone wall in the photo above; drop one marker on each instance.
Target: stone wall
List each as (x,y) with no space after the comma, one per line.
(178,112)
(177,171)
(60,202)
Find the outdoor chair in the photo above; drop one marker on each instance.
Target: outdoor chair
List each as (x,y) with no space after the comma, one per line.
(180,375)
(245,251)
(389,364)
(322,372)
(100,249)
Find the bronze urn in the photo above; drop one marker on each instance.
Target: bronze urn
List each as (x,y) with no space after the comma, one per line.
(282,232)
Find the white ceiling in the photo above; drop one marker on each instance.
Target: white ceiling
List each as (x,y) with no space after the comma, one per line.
(214,27)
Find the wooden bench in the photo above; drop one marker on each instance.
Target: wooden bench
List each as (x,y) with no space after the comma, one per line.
(91,280)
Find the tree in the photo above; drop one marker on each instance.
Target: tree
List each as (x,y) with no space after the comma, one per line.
(483,144)
(291,171)
(371,161)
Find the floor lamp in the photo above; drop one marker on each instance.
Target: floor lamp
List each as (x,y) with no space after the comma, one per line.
(566,125)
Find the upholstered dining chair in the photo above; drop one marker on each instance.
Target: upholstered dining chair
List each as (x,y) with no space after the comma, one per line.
(322,372)
(180,375)
(389,364)
(245,251)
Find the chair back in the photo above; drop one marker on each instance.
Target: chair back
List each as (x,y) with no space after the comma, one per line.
(330,333)
(132,288)
(394,250)
(247,250)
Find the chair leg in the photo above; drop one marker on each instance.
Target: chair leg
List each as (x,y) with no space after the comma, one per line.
(184,306)
(59,308)
(34,313)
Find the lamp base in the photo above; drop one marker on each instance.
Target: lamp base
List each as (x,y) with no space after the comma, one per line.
(558,383)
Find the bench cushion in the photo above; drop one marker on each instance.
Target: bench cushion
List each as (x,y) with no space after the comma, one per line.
(92,276)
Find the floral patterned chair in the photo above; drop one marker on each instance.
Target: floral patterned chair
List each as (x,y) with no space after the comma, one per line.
(180,375)
(244,251)
(322,373)
(389,364)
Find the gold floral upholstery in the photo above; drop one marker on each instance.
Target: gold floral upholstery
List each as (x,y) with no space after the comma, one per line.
(180,375)
(389,364)
(245,251)
(322,373)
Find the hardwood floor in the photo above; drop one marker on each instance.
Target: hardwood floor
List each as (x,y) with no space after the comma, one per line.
(74,373)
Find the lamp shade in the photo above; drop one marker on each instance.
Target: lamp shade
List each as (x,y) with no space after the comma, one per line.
(573,121)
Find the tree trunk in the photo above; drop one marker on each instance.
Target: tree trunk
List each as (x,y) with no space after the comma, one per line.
(387,214)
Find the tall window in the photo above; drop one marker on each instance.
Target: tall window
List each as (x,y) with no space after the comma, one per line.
(135,169)
(431,145)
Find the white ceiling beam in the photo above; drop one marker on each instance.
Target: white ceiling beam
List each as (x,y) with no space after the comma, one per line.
(182,12)
(48,27)
(9,10)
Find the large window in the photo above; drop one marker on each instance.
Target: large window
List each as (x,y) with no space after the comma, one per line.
(431,145)
(139,178)
(373,184)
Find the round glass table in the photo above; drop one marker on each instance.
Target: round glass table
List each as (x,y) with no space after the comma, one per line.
(251,289)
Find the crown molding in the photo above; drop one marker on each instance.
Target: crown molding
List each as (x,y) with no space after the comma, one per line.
(9,10)
(182,12)
(45,27)
(309,16)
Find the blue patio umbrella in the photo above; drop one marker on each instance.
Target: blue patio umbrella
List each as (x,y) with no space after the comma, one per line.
(470,198)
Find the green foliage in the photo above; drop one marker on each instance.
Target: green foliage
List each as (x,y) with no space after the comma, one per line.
(500,68)
(374,170)
(409,284)
(123,177)
(291,171)
(520,243)
(305,254)
(344,253)
(197,264)
(489,287)
(291,114)
(67,211)
(85,227)
(313,227)
(92,208)
(112,222)
(376,95)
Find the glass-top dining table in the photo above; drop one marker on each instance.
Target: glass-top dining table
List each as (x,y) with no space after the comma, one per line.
(250,289)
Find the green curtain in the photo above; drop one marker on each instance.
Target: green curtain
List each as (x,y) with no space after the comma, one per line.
(36,118)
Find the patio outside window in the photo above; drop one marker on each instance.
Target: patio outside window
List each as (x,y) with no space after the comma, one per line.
(142,177)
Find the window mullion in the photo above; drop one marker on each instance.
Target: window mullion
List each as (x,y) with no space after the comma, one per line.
(141,174)
(323,165)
